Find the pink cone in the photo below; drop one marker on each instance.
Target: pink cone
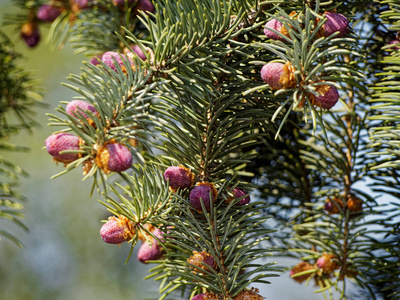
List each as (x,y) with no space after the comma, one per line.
(336,22)
(58,142)
(329,99)
(120,157)
(271,74)
(201,193)
(75,107)
(276,25)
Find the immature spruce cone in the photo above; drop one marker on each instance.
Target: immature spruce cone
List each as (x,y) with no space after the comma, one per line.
(48,13)
(114,158)
(329,98)
(30,34)
(179,177)
(278,75)
(58,142)
(238,193)
(203,192)
(76,107)
(153,252)
(110,57)
(336,22)
(327,263)
(276,25)
(117,230)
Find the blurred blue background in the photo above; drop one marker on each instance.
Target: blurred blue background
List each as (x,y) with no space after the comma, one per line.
(64,256)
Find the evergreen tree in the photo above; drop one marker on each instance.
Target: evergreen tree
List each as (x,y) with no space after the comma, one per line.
(192,107)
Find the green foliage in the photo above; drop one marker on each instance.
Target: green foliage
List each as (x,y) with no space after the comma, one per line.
(18,98)
(198,101)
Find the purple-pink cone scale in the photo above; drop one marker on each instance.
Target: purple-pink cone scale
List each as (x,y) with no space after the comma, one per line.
(154,252)
(82,4)
(336,22)
(271,73)
(31,39)
(112,233)
(95,60)
(238,193)
(200,193)
(392,42)
(145,5)
(329,99)
(108,59)
(58,142)
(48,13)
(120,157)
(178,177)
(75,107)
(139,52)
(276,25)
(321,262)
(199,297)
(329,206)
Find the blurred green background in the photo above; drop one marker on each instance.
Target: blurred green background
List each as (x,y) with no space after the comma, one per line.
(64,256)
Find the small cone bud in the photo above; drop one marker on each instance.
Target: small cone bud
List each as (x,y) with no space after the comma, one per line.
(237,194)
(276,25)
(117,230)
(58,142)
(200,258)
(249,295)
(114,157)
(336,22)
(76,107)
(145,5)
(204,192)
(179,177)
(110,57)
(30,34)
(329,96)
(278,75)
(327,263)
(48,13)
(151,252)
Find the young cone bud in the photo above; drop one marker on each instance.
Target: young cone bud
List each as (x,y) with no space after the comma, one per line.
(117,230)
(329,96)
(114,158)
(30,34)
(206,296)
(95,60)
(58,142)
(75,108)
(179,177)
(82,4)
(276,25)
(48,13)
(327,263)
(200,258)
(278,75)
(238,193)
(109,59)
(204,192)
(336,22)
(249,295)
(145,5)
(153,252)
(139,52)
(332,205)
(354,204)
